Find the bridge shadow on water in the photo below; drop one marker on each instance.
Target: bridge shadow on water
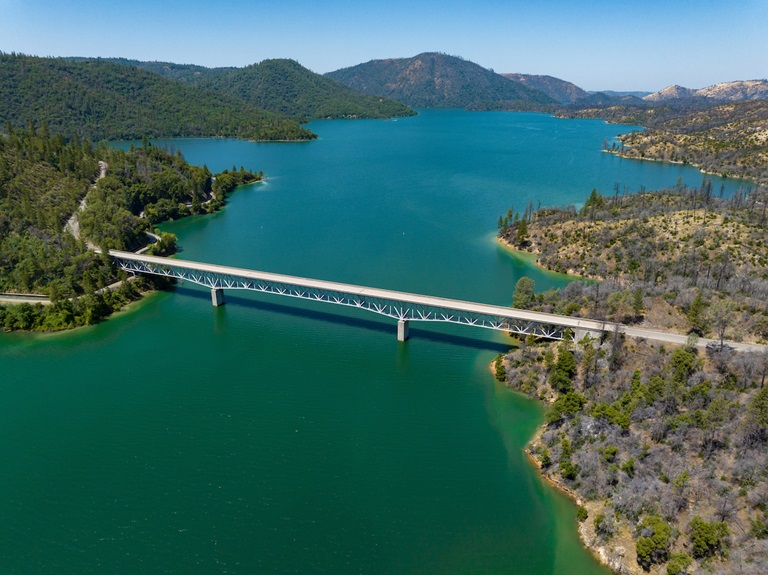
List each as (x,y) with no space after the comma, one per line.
(420,332)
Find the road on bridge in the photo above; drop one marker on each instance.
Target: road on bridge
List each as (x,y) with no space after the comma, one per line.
(427,308)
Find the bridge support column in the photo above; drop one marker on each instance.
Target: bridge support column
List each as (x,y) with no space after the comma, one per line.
(217,297)
(402,330)
(580,333)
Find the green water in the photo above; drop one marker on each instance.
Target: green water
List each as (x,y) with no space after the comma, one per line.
(275,436)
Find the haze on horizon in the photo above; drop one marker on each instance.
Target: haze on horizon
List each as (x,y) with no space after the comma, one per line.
(598,45)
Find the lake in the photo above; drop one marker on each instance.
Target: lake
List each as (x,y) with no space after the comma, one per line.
(277,436)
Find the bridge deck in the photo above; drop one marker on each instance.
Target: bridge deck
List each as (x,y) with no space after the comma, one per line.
(402,306)
(369,292)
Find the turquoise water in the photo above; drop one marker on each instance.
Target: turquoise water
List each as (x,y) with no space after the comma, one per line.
(275,436)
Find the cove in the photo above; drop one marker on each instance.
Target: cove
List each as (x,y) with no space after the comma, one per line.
(274,436)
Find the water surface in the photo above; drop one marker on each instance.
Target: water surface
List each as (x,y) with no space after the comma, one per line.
(275,436)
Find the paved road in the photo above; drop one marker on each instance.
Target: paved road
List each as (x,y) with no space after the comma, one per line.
(17,298)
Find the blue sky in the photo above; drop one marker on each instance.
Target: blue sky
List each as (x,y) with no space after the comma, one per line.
(599,44)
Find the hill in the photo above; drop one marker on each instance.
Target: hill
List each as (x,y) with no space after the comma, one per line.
(617,94)
(43,179)
(724,91)
(439,81)
(98,100)
(288,88)
(653,440)
(669,93)
(730,139)
(187,73)
(557,89)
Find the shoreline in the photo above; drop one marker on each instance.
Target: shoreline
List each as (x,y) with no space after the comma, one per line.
(701,170)
(44,300)
(598,552)
(535,258)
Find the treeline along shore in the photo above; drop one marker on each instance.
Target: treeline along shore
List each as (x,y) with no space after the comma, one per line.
(664,447)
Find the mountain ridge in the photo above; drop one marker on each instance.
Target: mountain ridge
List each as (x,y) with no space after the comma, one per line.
(560,90)
(98,100)
(437,80)
(735,91)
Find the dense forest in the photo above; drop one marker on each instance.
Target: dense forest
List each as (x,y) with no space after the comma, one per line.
(286,87)
(43,179)
(664,447)
(279,86)
(98,100)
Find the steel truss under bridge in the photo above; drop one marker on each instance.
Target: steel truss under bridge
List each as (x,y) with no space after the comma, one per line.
(401,306)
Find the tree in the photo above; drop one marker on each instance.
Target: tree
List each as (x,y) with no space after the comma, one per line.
(561,376)
(696,318)
(523,296)
(720,315)
(707,538)
(521,235)
(656,538)
(165,246)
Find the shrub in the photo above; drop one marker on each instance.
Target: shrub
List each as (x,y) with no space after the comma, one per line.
(707,538)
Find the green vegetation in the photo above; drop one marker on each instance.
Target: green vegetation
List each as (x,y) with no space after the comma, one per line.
(96,100)
(653,547)
(43,178)
(441,81)
(707,538)
(285,87)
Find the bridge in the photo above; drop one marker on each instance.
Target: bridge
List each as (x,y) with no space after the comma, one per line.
(402,306)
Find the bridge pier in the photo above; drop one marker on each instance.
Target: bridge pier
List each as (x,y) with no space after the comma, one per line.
(581,333)
(217,297)
(402,329)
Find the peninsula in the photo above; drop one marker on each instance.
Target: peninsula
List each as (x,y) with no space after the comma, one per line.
(44,180)
(663,447)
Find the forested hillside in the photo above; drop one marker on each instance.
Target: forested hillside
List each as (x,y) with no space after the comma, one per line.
(441,81)
(281,86)
(557,89)
(286,87)
(43,178)
(186,73)
(98,100)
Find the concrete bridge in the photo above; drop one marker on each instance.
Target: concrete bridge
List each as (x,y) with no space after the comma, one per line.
(402,306)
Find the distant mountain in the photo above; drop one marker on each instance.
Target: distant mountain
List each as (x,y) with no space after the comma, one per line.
(736,91)
(557,89)
(615,94)
(603,99)
(98,100)
(286,87)
(670,93)
(724,92)
(439,81)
